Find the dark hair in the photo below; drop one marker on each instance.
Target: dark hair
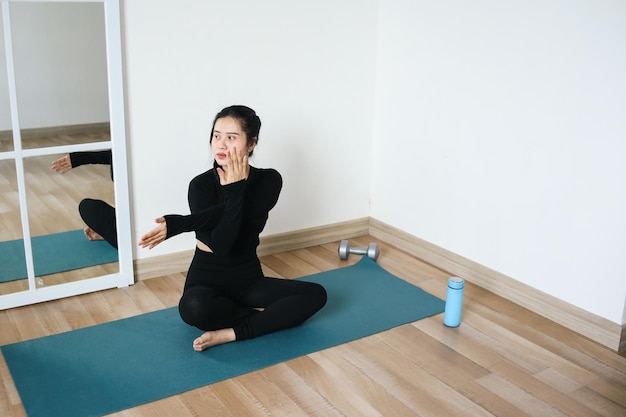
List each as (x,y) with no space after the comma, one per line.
(248,120)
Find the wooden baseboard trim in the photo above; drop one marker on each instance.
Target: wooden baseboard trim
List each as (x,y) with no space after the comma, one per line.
(622,341)
(157,266)
(574,318)
(40,132)
(280,242)
(313,236)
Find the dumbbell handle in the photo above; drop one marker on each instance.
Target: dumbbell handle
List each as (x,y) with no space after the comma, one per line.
(358,251)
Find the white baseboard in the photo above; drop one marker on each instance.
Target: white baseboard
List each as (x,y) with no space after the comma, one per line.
(601,330)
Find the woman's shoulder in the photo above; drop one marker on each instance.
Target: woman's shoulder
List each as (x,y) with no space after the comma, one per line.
(205,175)
(266,175)
(206,179)
(268,172)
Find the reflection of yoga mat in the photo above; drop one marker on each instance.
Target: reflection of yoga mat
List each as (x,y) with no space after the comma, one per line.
(122,364)
(54,253)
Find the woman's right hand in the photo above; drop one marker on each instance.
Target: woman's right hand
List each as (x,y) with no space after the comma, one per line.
(154,236)
(63,164)
(236,169)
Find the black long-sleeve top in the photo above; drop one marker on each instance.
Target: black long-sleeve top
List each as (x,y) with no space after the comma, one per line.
(92,157)
(229,218)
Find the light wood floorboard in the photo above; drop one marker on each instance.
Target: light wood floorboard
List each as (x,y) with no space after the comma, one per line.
(504,360)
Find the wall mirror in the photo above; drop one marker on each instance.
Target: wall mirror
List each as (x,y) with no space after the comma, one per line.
(61,98)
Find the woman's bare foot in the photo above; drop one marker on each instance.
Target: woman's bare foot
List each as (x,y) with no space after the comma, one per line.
(213,338)
(91,235)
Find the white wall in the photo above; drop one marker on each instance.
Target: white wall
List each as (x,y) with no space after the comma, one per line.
(60,65)
(307,68)
(500,136)
(498,128)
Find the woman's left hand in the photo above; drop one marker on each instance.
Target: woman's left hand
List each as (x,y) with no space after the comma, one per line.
(155,236)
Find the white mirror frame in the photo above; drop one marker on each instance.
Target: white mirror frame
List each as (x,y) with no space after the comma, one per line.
(124,276)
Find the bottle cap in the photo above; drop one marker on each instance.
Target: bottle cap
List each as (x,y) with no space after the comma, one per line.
(456,283)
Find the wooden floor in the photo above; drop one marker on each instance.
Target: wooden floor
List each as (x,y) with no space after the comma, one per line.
(502,361)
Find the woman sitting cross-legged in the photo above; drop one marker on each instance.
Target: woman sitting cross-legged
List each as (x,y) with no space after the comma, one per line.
(226,294)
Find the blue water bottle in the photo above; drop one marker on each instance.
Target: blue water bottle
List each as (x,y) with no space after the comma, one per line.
(454,302)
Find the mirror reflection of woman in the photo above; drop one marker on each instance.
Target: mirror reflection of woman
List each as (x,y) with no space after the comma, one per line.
(98,215)
(226,294)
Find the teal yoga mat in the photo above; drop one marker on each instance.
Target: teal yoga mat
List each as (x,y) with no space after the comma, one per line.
(57,252)
(122,364)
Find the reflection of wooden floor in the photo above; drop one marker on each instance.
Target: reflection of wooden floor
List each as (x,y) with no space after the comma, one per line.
(60,278)
(52,200)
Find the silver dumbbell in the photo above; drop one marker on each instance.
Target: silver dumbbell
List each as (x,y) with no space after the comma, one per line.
(345,250)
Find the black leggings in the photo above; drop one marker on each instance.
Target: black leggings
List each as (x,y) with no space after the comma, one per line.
(231,302)
(100,217)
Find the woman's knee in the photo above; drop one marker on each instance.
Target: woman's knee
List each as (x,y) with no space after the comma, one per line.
(100,217)
(317,293)
(91,209)
(193,310)
(206,310)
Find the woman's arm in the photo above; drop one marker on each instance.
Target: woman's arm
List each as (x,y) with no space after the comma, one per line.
(222,236)
(215,214)
(76,159)
(217,210)
(91,157)
(175,224)
(228,187)
(249,210)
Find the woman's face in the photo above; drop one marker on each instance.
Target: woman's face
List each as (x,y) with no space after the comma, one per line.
(228,136)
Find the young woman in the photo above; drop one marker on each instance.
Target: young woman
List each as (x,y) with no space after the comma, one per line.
(225,293)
